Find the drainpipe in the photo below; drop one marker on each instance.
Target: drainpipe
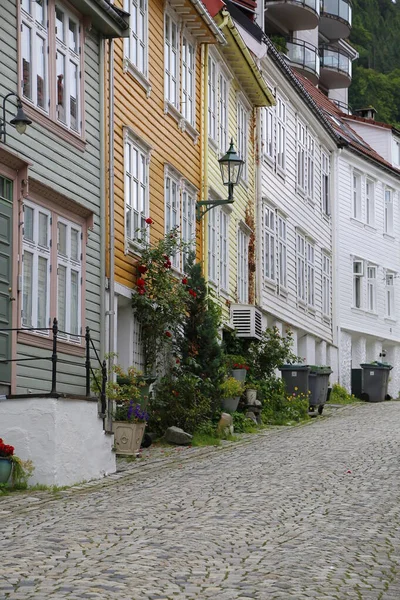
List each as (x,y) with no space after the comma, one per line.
(111,239)
(102,207)
(334,198)
(259,298)
(204,220)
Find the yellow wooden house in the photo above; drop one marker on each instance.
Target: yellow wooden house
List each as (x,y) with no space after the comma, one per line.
(234,89)
(155,93)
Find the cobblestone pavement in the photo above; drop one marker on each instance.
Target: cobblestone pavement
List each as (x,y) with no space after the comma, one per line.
(306,512)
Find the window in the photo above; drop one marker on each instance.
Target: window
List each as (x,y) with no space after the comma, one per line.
(369,202)
(212,99)
(395,153)
(180,203)
(223,95)
(268,132)
(172,202)
(269,243)
(218,226)
(39,275)
(326,285)
(325,184)
(188,218)
(310,166)
(223,249)
(358,272)
(136,47)
(281,134)
(371,288)
(301,156)
(136,189)
(310,274)
(357,196)
(388,224)
(301,267)
(51,61)
(212,245)
(188,91)
(282,252)
(242,136)
(242,267)
(389,295)
(171,53)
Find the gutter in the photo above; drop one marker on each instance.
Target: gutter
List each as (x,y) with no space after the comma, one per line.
(207,18)
(111,236)
(102,84)
(114,13)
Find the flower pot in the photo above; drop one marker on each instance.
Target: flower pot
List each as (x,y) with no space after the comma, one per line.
(128,437)
(251,396)
(230,404)
(5,469)
(239,374)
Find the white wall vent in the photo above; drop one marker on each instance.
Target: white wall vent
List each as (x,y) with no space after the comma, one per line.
(247,320)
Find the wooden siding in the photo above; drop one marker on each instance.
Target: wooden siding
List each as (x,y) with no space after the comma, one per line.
(69,171)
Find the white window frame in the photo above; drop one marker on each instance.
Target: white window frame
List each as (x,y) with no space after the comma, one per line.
(301,270)
(269,244)
(282,251)
(390,295)
(172,60)
(310,274)
(188,218)
(281,116)
(223,250)
(326,284)
(267,132)
(71,265)
(37,251)
(37,30)
(172,211)
(301,156)
(212,228)
(356,196)
(137,43)
(325,183)
(212,99)
(243,116)
(371,287)
(243,266)
(369,202)
(137,211)
(310,169)
(223,111)
(358,274)
(388,211)
(188,72)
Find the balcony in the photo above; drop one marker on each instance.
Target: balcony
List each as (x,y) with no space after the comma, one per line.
(295,15)
(335,19)
(336,68)
(304,58)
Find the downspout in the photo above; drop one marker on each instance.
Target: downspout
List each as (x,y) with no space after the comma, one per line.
(204,220)
(334,195)
(102,200)
(111,239)
(259,298)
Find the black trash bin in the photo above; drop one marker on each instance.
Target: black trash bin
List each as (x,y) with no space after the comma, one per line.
(318,384)
(375,381)
(295,376)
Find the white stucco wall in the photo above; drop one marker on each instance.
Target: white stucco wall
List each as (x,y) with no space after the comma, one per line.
(63,437)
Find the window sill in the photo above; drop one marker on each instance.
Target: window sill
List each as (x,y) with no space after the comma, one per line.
(213,145)
(301,304)
(281,172)
(358,310)
(357,222)
(390,320)
(46,343)
(311,309)
(326,217)
(142,80)
(183,124)
(371,313)
(326,319)
(133,248)
(268,160)
(311,201)
(55,127)
(301,192)
(389,236)
(283,292)
(270,284)
(370,228)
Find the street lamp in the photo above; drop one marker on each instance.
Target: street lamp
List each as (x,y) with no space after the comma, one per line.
(20,121)
(231,166)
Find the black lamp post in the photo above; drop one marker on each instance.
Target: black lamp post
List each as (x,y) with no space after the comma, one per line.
(20,121)
(231,166)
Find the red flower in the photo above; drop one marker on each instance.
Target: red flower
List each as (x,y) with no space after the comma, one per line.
(184,281)
(141,292)
(192,293)
(178,362)
(141,282)
(165,256)
(168,334)
(142,269)
(167,265)
(149,221)
(175,393)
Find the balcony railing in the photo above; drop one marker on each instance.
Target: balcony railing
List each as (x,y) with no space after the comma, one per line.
(305,57)
(346,108)
(336,18)
(296,15)
(341,9)
(336,68)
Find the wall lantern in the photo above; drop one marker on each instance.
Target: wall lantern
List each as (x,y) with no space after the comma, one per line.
(20,121)
(231,166)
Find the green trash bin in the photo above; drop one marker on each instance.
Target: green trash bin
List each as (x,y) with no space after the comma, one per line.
(375,381)
(295,376)
(318,384)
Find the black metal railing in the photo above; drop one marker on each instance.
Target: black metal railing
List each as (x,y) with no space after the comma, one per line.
(303,55)
(332,58)
(341,9)
(90,373)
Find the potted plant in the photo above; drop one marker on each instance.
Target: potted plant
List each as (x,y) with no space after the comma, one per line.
(231,389)
(251,391)
(128,426)
(6,461)
(13,467)
(238,366)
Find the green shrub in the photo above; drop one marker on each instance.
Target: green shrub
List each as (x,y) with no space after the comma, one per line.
(340,395)
(278,407)
(241,424)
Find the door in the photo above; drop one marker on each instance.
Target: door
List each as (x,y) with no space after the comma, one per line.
(6,297)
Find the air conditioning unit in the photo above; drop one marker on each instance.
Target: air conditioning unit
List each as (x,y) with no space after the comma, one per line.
(247,320)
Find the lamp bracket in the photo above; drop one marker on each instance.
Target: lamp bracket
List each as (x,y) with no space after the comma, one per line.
(209,204)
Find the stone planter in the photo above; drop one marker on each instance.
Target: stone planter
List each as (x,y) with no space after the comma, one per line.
(128,437)
(5,469)
(230,404)
(239,374)
(251,396)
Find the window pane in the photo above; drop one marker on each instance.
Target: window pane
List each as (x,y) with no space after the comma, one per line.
(43,230)
(27,290)
(42,291)
(61,295)
(26,62)
(28,223)
(73,36)
(41,67)
(26,5)
(59,24)
(60,65)
(74,316)
(40,16)
(73,95)
(74,244)
(62,239)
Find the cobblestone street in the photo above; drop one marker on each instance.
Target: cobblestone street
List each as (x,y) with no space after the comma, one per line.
(306,512)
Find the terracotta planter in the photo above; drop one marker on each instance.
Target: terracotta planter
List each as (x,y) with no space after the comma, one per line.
(230,404)
(239,374)
(128,437)
(5,469)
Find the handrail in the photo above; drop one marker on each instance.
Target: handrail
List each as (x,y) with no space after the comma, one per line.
(303,54)
(313,4)
(332,58)
(339,8)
